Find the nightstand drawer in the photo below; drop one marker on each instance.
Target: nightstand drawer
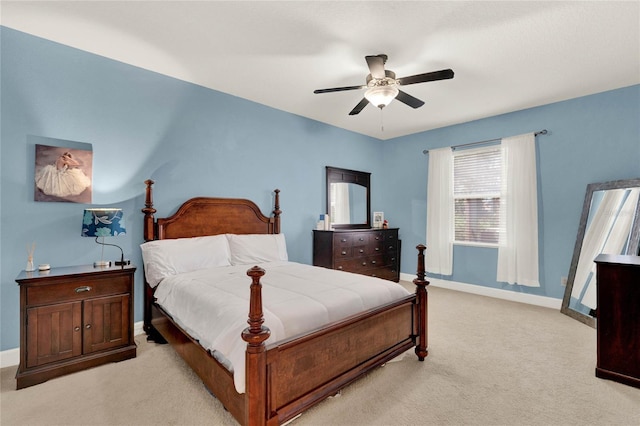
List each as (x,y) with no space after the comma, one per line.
(79,290)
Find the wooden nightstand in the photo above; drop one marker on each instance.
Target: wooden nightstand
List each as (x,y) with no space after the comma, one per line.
(73,318)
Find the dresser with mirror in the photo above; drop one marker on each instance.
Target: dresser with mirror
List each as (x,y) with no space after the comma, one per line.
(351,244)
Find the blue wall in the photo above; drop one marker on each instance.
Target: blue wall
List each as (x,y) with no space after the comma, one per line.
(190,140)
(194,141)
(591,139)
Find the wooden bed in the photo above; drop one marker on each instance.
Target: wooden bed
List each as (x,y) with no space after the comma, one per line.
(286,377)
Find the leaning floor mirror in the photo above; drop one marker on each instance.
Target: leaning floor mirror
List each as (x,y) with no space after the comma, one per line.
(610,224)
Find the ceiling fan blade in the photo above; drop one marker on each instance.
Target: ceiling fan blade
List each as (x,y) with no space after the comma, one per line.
(406,98)
(423,78)
(338,89)
(363,103)
(376,65)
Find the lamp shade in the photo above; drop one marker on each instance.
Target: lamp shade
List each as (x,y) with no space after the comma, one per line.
(106,222)
(381,96)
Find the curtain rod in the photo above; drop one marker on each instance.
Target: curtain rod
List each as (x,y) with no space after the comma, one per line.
(541,132)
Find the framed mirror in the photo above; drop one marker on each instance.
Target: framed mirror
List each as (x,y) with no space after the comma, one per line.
(610,223)
(348,198)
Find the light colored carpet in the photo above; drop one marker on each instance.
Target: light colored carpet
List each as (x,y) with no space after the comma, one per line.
(491,362)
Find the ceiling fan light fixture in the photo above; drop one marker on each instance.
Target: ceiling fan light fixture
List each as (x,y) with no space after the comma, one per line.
(381,96)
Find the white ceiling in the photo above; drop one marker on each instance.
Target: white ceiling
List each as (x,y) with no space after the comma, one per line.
(506,55)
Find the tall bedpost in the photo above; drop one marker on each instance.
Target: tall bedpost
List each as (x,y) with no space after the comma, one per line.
(276,212)
(149,225)
(422,296)
(256,355)
(149,235)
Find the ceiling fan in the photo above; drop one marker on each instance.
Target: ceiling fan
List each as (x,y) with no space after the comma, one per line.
(382,85)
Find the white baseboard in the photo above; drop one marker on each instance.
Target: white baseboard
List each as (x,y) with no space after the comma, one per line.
(530,299)
(11,357)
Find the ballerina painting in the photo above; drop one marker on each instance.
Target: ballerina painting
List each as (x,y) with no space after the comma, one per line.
(62,174)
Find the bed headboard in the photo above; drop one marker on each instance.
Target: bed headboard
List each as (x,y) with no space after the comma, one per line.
(209,216)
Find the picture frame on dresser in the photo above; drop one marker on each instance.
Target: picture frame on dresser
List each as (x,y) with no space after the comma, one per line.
(378,219)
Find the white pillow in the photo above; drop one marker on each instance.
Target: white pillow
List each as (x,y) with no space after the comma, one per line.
(162,258)
(257,248)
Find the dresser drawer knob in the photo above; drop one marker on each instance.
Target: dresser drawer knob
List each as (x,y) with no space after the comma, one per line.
(361,239)
(344,253)
(343,240)
(361,251)
(340,268)
(373,262)
(377,248)
(364,263)
(76,328)
(88,326)
(83,289)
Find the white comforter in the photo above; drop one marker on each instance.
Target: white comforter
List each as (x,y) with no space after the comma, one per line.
(212,305)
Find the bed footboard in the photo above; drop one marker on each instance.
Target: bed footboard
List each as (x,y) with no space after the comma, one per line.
(287,377)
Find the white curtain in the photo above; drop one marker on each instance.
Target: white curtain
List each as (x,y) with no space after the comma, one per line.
(439,254)
(518,244)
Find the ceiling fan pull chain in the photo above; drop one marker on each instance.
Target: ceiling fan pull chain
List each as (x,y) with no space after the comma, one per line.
(381,121)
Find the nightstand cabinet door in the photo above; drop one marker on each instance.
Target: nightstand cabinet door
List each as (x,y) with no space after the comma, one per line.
(54,333)
(106,323)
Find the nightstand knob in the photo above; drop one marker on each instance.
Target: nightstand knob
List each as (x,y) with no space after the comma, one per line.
(83,289)
(88,326)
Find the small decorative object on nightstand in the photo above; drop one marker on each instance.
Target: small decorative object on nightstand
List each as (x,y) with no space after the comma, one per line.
(73,318)
(30,251)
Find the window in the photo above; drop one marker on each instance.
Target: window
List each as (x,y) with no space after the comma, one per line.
(476,193)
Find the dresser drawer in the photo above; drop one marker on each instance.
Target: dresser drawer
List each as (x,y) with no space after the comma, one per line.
(359,264)
(384,273)
(349,239)
(79,290)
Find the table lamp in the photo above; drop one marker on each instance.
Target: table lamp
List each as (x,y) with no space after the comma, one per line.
(104,222)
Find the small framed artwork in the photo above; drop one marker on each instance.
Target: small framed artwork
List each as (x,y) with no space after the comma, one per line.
(63,174)
(378,219)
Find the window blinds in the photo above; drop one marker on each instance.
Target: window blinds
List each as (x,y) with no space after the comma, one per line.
(476,190)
